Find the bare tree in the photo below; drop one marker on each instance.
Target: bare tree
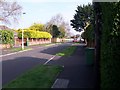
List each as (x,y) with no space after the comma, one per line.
(58,20)
(9,11)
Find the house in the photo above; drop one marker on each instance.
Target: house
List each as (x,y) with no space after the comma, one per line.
(3,27)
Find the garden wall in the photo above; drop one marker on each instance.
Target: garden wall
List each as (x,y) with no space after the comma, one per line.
(18,42)
(2,46)
(57,40)
(32,41)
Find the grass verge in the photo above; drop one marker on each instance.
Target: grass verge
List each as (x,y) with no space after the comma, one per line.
(42,76)
(19,49)
(47,44)
(50,44)
(77,43)
(67,52)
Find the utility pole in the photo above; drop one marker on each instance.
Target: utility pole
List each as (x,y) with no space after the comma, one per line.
(23,37)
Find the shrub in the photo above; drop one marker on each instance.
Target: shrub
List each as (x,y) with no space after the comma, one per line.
(110,45)
(34,34)
(7,37)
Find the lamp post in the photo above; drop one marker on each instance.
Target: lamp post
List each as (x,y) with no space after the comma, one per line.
(23,37)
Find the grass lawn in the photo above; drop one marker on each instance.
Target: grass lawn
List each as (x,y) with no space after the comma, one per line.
(47,44)
(50,44)
(19,49)
(42,76)
(28,48)
(77,43)
(67,52)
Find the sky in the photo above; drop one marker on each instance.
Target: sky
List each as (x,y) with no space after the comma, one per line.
(41,11)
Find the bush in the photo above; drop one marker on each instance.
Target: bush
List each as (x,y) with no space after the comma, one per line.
(34,34)
(7,37)
(110,46)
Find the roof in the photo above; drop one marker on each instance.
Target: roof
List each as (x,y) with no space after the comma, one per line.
(3,27)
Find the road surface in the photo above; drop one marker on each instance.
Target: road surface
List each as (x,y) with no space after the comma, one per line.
(16,64)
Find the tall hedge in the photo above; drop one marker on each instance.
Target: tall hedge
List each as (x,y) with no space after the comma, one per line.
(110,45)
(34,34)
(6,37)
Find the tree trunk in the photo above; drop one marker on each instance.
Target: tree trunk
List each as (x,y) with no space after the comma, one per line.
(97,43)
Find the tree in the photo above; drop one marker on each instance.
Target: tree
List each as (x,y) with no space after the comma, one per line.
(62,31)
(82,20)
(48,27)
(57,20)
(55,31)
(84,15)
(9,11)
(89,36)
(60,23)
(63,28)
(37,27)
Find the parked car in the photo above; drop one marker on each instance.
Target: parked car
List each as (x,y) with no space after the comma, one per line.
(75,40)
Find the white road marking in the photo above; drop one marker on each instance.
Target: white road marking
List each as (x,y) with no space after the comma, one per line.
(49,60)
(60,83)
(14,53)
(54,83)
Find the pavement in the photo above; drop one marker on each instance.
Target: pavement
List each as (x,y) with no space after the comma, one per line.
(76,70)
(76,73)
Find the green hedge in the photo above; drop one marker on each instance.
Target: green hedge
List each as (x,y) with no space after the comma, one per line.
(34,34)
(110,45)
(7,37)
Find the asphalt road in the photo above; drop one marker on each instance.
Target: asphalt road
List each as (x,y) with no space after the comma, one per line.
(16,64)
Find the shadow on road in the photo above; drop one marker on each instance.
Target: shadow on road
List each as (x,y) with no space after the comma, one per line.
(14,67)
(55,49)
(75,70)
(17,66)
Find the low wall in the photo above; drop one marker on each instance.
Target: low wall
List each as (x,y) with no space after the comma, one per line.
(18,42)
(57,40)
(32,41)
(2,46)
(39,41)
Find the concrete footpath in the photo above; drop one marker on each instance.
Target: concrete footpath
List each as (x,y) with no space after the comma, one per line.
(76,73)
